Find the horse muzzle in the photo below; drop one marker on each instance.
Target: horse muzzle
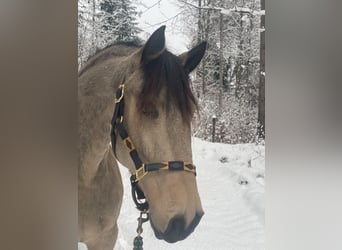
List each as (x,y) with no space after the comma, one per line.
(176,229)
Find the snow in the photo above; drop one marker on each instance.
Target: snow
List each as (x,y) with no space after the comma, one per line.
(82,246)
(259,13)
(231,182)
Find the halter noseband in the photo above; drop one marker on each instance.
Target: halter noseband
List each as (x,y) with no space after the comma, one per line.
(142,169)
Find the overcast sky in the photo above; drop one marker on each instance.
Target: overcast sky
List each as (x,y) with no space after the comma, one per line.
(154,14)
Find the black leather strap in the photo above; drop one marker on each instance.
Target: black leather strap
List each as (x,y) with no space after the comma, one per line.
(117,116)
(117,126)
(170,165)
(138,196)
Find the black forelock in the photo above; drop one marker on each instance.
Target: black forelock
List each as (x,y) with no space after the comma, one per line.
(168,71)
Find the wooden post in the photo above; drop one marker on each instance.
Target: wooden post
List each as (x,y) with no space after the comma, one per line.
(214,125)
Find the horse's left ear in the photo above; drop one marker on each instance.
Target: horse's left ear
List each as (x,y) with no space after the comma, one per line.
(192,58)
(154,46)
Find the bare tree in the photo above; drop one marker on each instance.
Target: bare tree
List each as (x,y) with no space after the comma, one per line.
(261,111)
(221,65)
(227,81)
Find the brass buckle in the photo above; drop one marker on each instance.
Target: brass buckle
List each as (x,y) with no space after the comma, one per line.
(120,119)
(122,87)
(140,173)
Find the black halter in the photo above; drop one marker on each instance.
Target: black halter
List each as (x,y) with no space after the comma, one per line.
(142,169)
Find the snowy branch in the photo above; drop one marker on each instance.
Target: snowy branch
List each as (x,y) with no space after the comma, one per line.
(150,7)
(168,19)
(241,10)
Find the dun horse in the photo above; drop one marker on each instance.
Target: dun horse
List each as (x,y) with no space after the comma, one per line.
(153,86)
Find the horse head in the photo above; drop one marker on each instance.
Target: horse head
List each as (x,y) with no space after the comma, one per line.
(158,110)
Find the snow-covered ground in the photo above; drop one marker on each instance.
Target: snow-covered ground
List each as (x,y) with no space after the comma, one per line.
(231,182)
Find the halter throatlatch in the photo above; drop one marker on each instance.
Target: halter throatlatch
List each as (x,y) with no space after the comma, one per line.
(142,169)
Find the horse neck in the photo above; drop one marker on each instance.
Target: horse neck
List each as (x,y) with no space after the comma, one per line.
(97,85)
(97,89)
(94,130)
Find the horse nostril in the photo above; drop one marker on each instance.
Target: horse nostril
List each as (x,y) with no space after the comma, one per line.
(175,229)
(177,224)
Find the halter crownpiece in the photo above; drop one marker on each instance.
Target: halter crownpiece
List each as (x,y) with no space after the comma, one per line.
(141,169)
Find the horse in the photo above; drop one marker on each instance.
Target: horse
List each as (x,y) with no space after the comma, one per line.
(159,106)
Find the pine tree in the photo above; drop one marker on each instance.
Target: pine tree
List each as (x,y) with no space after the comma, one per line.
(87,29)
(119,21)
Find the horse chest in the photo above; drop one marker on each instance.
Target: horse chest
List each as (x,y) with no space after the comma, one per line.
(100,202)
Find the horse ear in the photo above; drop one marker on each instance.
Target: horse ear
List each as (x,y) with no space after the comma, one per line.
(192,58)
(154,46)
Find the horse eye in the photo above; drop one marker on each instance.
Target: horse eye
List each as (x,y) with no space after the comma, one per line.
(151,113)
(148,109)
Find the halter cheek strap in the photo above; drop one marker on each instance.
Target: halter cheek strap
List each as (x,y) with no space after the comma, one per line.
(142,169)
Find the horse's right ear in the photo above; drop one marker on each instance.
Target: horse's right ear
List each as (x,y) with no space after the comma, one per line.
(154,46)
(192,58)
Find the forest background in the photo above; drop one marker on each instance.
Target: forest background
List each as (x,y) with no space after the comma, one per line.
(229,84)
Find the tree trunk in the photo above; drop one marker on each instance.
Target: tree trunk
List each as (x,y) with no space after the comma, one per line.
(205,36)
(94,27)
(221,64)
(199,33)
(261,110)
(200,36)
